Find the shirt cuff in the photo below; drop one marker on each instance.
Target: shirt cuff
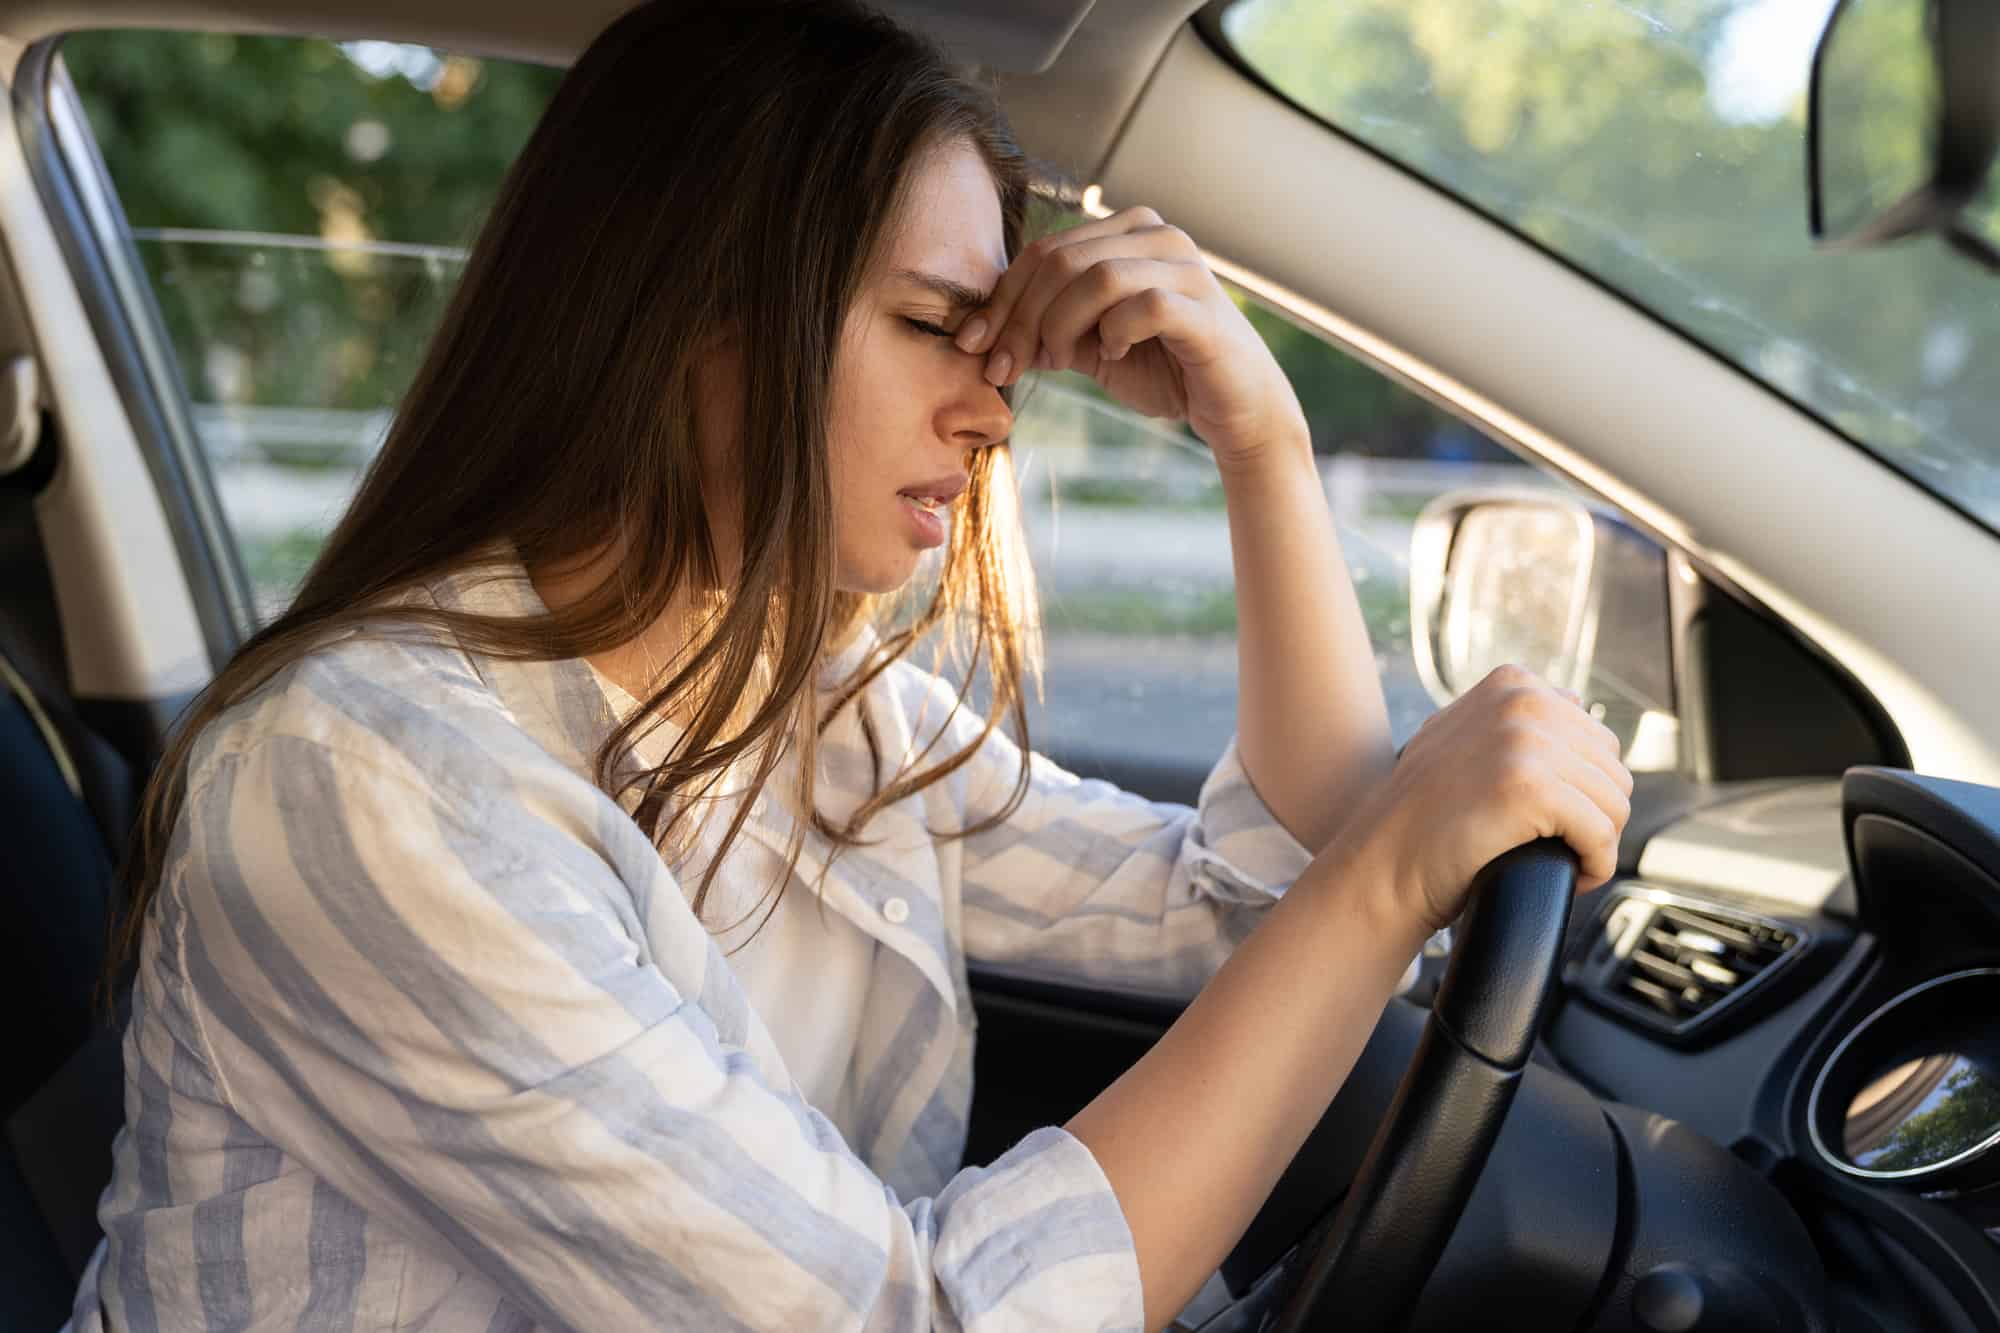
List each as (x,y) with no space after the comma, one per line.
(1250,851)
(1038,1240)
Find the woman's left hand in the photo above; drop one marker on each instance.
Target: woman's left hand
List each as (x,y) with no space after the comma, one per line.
(1129,301)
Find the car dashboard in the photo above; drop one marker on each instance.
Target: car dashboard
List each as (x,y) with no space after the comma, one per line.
(1808,975)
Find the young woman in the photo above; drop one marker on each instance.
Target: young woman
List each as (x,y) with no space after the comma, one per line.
(559,918)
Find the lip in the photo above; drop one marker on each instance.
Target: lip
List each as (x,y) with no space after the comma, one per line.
(942,489)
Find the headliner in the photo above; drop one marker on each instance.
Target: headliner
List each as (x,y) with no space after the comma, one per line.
(1068,70)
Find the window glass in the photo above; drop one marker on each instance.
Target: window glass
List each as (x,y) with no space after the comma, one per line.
(301,209)
(1131,545)
(1660,146)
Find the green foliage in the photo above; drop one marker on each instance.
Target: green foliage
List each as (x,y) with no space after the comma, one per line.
(1660,146)
(363,144)
(1966,1111)
(290,138)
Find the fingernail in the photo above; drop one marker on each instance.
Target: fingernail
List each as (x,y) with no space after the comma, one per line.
(999,367)
(1114,353)
(969,334)
(1043,361)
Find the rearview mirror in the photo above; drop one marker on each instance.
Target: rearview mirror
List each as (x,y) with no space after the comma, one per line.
(1903,121)
(1540,580)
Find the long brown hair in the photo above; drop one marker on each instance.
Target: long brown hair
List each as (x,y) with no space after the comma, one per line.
(702,168)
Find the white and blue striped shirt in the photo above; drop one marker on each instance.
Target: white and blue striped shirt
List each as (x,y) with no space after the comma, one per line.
(426,1035)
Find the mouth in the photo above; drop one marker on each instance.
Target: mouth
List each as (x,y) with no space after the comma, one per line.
(935,497)
(929,508)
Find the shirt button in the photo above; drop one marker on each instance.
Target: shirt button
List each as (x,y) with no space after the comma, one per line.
(896,910)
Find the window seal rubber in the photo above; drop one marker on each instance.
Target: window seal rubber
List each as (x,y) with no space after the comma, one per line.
(118,300)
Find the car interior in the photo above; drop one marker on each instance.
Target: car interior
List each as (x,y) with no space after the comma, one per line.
(1754,1083)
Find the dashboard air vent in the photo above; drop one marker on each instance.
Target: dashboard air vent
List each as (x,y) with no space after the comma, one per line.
(1673,964)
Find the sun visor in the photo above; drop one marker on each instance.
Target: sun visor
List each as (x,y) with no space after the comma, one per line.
(1006,36)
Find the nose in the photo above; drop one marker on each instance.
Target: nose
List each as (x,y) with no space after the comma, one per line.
(977,414)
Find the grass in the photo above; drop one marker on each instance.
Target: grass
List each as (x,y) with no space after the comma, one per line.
(277,565)
(1128,610)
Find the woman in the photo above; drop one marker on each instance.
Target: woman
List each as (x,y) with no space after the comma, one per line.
(559,917)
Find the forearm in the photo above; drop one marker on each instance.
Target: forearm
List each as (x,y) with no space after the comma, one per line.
(1313,728)
(1231,1091)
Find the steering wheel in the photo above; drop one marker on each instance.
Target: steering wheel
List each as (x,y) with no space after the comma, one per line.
(1369,1269)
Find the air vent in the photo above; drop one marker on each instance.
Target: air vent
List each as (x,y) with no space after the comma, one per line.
(1674,965)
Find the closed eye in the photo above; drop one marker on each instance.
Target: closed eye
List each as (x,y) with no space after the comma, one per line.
(925,326)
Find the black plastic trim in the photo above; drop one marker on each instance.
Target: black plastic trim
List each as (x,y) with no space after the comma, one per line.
(1148,1015)
(1742,1006)
(134,346)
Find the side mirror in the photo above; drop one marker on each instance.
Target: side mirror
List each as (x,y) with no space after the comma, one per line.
(1903,120)
(1574,595)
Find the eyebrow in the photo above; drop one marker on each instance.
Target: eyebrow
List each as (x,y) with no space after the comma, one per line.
(956,292)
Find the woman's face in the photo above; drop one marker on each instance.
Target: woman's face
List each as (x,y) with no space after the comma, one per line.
(908,407)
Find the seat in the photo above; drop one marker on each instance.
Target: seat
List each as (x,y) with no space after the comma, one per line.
(62,1087)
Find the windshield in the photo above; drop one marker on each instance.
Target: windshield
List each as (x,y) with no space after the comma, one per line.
(1659,145)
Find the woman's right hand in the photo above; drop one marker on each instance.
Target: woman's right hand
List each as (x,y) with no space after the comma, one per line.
(1511,760)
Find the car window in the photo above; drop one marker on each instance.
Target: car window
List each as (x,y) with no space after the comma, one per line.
(301,210)
(1131,546)
(302,207)
(1659,145)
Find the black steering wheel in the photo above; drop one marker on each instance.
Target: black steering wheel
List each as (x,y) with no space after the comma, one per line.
(1369,1268)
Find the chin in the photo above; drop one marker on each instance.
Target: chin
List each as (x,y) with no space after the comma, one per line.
(876,576)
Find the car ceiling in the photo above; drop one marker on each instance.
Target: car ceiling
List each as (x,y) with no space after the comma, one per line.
(1069,71)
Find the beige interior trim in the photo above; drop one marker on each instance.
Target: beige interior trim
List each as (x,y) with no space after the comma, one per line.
(1068,114)
(129,623)
(1796,518)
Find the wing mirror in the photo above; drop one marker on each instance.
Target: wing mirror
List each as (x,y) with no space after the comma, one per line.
(1571,593)
(1902,124)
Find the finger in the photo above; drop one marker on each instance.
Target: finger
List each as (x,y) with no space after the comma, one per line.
(1604,735)
(983,326)
(1521,695)
(1016,337)
(1603,789)
(1599,742)
(1578,821)
(1124,301)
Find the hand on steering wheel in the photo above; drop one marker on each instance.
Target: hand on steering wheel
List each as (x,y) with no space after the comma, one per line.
(1517,765)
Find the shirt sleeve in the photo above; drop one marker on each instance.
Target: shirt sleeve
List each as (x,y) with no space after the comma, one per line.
(1087,881)
(435,996)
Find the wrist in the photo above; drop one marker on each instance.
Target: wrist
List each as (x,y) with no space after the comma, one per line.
(1276,455)
(1362,867)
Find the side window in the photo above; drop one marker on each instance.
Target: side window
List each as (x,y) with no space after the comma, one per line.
(1131,548)
(301,209)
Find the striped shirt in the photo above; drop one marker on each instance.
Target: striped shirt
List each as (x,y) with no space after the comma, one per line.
(425,1033)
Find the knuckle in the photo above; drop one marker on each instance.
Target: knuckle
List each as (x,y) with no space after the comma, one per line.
(1106,275)
(1521,703)
(1041,247)
(1143,215)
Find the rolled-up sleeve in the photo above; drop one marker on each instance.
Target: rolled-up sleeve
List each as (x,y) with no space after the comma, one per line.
(1086,880)
(438,999)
